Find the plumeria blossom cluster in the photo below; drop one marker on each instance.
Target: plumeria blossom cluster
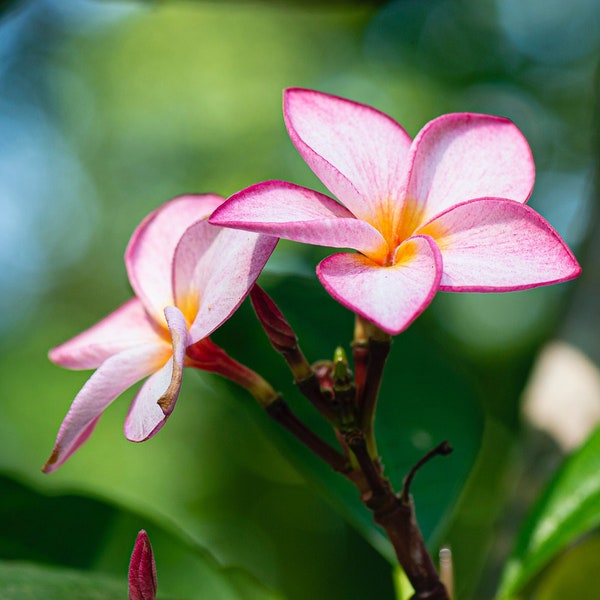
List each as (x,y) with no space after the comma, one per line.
(445,211)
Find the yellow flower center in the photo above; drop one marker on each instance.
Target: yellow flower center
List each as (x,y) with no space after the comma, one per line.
(396,224)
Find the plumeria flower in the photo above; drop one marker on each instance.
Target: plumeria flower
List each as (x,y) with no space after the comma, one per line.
(189,277)
(445,211)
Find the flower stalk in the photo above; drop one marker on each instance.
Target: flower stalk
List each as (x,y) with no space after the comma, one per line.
(207,356)
(350,409)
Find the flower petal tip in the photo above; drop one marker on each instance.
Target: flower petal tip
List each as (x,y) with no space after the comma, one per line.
(52,463)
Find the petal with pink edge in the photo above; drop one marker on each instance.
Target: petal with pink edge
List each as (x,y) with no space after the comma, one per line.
(126,327)
(157,397)
(463,156)
(297,213)
(149,255)
(193,257)
(111,379)
(391,297)
(214,271)
(359,153)
(493,244)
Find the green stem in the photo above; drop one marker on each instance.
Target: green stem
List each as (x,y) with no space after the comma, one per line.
(207,356)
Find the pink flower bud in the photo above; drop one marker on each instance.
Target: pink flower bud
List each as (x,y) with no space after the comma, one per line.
(142,570)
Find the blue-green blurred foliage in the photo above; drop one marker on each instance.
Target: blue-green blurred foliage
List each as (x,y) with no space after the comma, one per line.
(107,109)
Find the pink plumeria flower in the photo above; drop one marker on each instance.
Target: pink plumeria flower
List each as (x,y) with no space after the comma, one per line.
(189,277)
(142,570)
(445,211)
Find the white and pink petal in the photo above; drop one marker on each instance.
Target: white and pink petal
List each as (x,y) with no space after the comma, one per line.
(463,156)
(391,297)
(149,255)
(296,213)
(358,152)
(494,244)
(192,264)
(112,378)
(126,327)
(226,275)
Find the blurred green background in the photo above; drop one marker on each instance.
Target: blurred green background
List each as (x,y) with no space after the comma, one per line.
(107,109)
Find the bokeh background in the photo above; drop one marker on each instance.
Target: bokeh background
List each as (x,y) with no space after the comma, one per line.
(108,109)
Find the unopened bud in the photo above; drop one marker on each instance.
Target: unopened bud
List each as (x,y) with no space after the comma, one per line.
(142,570)
(280,333)
(278,330)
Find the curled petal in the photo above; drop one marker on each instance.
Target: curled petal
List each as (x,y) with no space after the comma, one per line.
(462,156)
(391,297)
(157,397)
(493,244)
(112,378)
(126,327)
(359,153)
(149,255)
(296,213)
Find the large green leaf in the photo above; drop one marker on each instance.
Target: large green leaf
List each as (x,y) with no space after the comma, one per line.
(424,400)
(569,508)
(211,478)
(77,531)
(24,581)
(574,574)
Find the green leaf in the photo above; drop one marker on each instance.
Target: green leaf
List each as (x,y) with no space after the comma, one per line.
(574,574)
(424,400)
(23,581)
(569,508)
(76,531)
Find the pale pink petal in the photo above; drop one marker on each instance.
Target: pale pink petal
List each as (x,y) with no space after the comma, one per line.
(493,244)
(391,297)
(157,397)
(297,213)
(359,153)
(149,255)
(112,378)
(463,156)
(193,256)
(126,327)
(236,260)
(214,271)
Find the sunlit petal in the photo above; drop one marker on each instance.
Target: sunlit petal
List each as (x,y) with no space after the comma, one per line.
(296,213)
(226,275)
(192,266)
(214,271)
(359,153)
(391,297)
(149,255)
(462,156)
(493,244)
(112,378)
(126,327)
